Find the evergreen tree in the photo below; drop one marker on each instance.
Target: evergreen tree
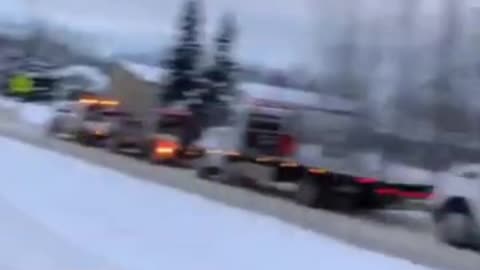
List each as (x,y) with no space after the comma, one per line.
(183,66)
(221,74)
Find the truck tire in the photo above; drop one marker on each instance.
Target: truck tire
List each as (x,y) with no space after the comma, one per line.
(231,175)
(112,145)
(454,224)
(151,157)
(309,192)
(83,138)
(202,173)
(52,129)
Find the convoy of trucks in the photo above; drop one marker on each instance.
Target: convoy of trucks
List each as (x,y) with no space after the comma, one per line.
(325,146)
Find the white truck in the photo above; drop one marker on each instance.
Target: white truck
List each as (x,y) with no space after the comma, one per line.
(253,130)
(456,205)
(323,144)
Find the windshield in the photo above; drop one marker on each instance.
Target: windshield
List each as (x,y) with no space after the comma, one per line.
(170,124)
(99,113)
(116,114)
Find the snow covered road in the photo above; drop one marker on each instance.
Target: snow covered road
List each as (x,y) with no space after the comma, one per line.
(26,244)
(139,225)
(406,236)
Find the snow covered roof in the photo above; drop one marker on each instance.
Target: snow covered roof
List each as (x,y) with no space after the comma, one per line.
(98,79)
(267,95)
(147,73)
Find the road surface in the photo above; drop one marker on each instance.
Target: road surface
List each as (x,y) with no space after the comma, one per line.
(394,234)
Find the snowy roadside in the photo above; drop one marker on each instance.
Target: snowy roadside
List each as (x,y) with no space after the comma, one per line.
(386,234)
(26,244)
(31,113)
(138,225)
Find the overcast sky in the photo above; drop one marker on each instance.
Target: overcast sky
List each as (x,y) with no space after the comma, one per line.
(272,32)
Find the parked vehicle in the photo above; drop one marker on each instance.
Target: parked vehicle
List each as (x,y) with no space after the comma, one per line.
(456,205)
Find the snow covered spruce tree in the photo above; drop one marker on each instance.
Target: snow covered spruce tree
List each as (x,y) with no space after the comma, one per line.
(183,79)
(220,74)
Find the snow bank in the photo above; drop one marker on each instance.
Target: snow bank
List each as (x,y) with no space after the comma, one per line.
(35,114)
(140,225)
(31,113)
(147,73)
(6,103)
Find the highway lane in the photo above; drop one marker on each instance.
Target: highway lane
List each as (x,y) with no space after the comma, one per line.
(393,233)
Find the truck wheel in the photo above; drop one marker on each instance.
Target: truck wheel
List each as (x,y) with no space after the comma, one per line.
(454,225)
(202,173)
(52,129)
(347,203)
(152,158)
(112,145)
(84,138)
(231,175)
(309,192)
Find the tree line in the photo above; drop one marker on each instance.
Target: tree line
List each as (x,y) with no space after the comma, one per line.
(191,75)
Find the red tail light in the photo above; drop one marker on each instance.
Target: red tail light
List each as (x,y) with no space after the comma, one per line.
(166,148)
(404,194)
(366,180)
(287,145)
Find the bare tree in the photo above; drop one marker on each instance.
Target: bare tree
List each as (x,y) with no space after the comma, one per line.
(448,115)
(405,59)
(339,55)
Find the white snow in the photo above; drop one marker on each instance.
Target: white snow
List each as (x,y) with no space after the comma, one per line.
(97,78)
(31,113)
(6,103)
(147,73)
(27,244)
(293,96)
(36,114)
(136,224)
(278,94)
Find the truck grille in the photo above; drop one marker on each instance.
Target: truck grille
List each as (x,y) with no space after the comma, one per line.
(263,133)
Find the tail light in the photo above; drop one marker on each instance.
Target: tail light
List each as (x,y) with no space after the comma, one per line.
(404,194)
(362,180)
(287,146)
(165,148)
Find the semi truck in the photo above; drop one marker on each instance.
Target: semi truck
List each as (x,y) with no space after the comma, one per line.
(157,131)
(325,145)
(164,137)
(87,120)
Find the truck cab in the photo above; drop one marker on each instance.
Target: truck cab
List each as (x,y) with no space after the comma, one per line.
(254,143)
(165,135)
(86,120)
(172,134)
